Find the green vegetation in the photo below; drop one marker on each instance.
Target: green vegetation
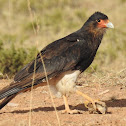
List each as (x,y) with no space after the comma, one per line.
(53,19)
(12,59)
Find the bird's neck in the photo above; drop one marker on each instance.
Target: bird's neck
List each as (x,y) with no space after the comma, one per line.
(93,38)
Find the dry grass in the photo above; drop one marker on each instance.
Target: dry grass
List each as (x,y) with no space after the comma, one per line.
(36,31)
(49,20)
(59,18)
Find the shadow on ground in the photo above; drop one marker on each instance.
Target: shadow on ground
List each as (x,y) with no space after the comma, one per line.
(109,103)
(78,107)
(116,103)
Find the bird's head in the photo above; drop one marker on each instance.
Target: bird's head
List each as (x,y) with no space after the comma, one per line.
(98,23)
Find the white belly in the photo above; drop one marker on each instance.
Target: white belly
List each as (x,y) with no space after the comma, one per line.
(65,83)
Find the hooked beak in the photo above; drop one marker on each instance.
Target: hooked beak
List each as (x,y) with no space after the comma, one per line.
(109,25)
(105,24)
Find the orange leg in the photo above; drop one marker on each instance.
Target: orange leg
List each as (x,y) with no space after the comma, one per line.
(67,108)
(88,98)
(96,107)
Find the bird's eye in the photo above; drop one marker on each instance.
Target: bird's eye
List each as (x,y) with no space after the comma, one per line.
(98,20)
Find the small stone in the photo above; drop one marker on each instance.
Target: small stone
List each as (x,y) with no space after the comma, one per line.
(12,104)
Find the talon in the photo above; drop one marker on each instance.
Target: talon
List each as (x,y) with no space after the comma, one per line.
(94,106)
(100,107)
(67,108)
(86,103)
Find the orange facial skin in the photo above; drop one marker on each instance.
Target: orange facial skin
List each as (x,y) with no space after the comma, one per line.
(102,23)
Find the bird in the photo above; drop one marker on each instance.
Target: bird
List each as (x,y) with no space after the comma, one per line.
(64,60)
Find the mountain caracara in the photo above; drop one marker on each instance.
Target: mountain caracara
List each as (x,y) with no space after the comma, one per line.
(64,60)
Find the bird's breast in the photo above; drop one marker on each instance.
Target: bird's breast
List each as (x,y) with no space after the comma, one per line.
(65,83)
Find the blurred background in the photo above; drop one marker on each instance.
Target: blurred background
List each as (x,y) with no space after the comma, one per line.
(26,27)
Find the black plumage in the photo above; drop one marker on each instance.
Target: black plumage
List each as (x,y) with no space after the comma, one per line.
(73,52)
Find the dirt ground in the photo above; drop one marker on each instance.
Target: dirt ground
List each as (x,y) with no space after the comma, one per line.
(16,113)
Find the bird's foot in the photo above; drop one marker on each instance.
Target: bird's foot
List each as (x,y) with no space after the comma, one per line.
(96,107)
(71,111)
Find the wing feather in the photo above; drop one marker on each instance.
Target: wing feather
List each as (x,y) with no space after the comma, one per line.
(59,56)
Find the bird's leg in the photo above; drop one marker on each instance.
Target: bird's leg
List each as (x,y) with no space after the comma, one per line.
(67,108)
(88,98)
(94,106)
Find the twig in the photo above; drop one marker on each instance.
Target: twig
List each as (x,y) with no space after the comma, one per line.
(104,92)
(36,31)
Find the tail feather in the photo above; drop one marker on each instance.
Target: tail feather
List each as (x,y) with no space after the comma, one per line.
(6,100)
(13,89)
(9,92)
